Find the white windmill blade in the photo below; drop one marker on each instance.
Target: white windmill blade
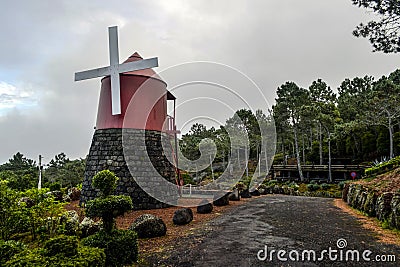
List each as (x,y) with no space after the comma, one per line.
(138,65)
(113,45)
(115,95)
(89,74)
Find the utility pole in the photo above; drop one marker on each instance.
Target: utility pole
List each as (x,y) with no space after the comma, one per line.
(40,172)
(246,161)
(212,171)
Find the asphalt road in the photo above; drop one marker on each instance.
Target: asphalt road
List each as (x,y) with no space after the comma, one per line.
(279,230)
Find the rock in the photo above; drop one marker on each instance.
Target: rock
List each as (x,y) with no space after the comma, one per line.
(58,196)
(183,216)
(361,198)
(269,190)
(221,199)
(262,191)
(234,196)
(351,195)
(255,193)
(74,193)
(345,191)
(370,204)
(277,190)
(71,221)
(89,227)
(148,225)
(394,217)
(28,201)
(245,194)
(292,191)
(383,207)
(204,207)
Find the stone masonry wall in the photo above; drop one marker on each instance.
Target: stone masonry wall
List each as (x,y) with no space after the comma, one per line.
(106,152)
(385,206)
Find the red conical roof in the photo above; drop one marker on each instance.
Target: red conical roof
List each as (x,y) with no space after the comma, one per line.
(145,72)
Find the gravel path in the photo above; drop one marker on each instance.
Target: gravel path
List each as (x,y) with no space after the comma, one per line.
(277,222)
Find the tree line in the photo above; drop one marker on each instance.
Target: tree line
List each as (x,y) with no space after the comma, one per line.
(22,173)
(316,125)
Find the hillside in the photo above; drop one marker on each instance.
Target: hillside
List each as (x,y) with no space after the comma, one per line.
(386,182)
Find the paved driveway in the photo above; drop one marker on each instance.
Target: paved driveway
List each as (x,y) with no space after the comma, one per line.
(295,226)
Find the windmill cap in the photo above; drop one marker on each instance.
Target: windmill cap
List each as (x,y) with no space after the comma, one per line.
(144,72)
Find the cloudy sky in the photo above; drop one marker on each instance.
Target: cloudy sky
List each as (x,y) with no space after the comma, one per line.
(43,111)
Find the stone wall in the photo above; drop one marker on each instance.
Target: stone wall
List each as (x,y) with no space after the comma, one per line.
(107,152)
(385,206)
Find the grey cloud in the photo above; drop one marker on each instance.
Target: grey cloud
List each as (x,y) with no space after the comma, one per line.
(271,41)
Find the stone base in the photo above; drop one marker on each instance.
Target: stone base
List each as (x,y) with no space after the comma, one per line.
(106,152)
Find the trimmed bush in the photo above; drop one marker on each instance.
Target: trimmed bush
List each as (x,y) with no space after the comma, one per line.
(61,246)
(313,187)
(342,184)
(111,205)
(105,181)
(9,249)
(325,186)
(54,254)
(383,167)
(120,246)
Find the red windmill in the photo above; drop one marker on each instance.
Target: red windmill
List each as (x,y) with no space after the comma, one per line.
(116,114)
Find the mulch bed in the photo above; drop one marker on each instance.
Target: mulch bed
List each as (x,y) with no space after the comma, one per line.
(149,246)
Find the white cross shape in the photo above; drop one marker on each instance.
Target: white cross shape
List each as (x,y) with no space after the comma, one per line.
(115,69)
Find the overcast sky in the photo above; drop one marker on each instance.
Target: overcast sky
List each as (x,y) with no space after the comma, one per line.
(43,111)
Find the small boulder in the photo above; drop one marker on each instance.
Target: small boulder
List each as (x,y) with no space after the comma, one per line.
(383,207)
(255,193)
(71,221)
(183,216)
(262,191)
(394,218)
(204,207)
(221,199)
(245,194)
(89,227)
(149,225)
(234,196)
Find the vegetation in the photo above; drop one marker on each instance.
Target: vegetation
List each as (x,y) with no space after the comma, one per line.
(384,35)
(383,167)
(60,251)
(120,246)
(314,125)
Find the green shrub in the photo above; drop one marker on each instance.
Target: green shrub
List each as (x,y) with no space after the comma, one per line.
(62,246)
(187,179)
(383,167)
(9,249)
(293,185)
(120,246)
(341,184)
(55,186)
(240,186)
(105,181)
(108,208)
(50,257)
(325,186)
(313,187)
